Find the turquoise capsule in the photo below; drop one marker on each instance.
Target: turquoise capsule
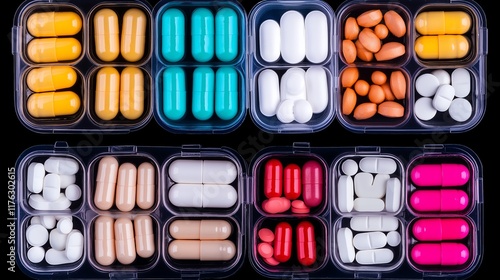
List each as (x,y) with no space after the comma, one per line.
(202,35)
(226,93)
(203,93)
(172,35)
(226,34)
(174,93)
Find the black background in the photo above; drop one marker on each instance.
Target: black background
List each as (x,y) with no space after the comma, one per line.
(248,139)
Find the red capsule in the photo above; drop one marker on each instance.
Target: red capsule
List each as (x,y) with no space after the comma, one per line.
(306,243)
(282,242)
(293,182)
(273,175)
(312,183)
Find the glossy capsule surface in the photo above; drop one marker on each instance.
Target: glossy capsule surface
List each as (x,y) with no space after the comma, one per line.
(53,104)
(442,46)
(44,50)
(107,93)
(174,93)
(202,34)
(54,24)
(106,35)
(133,35)
(173,24)
(131,93)
(51,78)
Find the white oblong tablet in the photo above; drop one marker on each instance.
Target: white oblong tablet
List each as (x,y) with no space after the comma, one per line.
(460,109)
(344,244)
(269,92)
(443,97)
(375,256)
(382,165)
(317,88)
(349,167)
(345,193)
(293,84)
(374,223)
(61,165)
(74,245)
(34,179)
(284,112)
(426,84)
(393,238)
(67,180)
(51,187)
(293,39)
(423,108)
(269,40)
(36,254)
(442,75)
(302,111)
(364,204)
(369,240)
(48,221)
(461,81)
(218,196)
(37,235)
(73,192)
(393,195)
(367,186)
(56,257)
(316,32)
(57,240)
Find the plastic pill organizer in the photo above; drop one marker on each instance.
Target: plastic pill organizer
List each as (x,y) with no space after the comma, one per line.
(292,66)
(294,211)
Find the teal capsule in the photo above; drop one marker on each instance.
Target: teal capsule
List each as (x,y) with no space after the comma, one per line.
(174,93)
(226,93)
(226,34)
(172,35)
(203,93)
(202,34)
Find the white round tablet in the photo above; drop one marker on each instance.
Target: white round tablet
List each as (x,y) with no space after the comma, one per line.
(443,76)
(423,108)
(73,192)
(36,254)
(460,109)
(65,225)
(427,84)
(349,167)
(37,235)
(285,111)
(302,111)
(393,238)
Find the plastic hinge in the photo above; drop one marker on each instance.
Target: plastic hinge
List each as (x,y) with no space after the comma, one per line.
(484,47)
(123,149)
(301,147)
(61,146)
(190,275)
(433,148)
(123,275)
(367,275)
(368,149)
(299,276)
(190,150)
(13,37)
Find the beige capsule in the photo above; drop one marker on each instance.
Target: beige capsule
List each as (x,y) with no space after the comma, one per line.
(107,174)
(104,240)
(144,236)
(124,240)
(203,250)
(126,187)
(145,185)
(200,229)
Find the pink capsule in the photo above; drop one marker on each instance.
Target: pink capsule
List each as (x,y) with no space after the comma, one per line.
(446,253)
(445,200)
(312,183)
(444,175)
(439,229)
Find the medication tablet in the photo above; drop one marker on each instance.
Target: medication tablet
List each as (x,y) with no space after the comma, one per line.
(293,84)
(35,177)
(349,167)
(73,192)
(36,254)
(392,194)
(65,225)
(316,36)
(393,238)
(378,165)
(461,81)
(427,84)
(317,88)
(443,97)
(369,240)
(266,235)
(345,245)
(57,240)
(74,245)
(374,223)
(56,257)
(460,109)
(367,186)
(51,187)
(37,235)
(364,204)
(270,40)
(443,76)
(375,256)
(285,111)
(424,110)
(345,197)
(293,37)
(61,165)
(269,92)
(302,111)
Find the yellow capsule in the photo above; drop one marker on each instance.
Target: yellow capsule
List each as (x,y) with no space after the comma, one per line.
(53,104)
(54,24)
(442,46)
(51,78)
(132,93)
(54,49)
(106,35)
(107,93)
(133,36)
(443,22)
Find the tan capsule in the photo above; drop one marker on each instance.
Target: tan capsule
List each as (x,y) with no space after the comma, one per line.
(107,93)
(200,229)
(391,109)
(361,87)
(104,240)
(42,50)
(131,93)
(202,250)
(349,100)
(395,23)
(145,185)
(369,40)
(126,187)
(397,81)
(144,236)
(370,18)
(351,29)
(349,76)
(363,53)
(349,51)
(365,111)
(376,94)
(390,50)
(124,240)
(133,36)
(106,35)
(107,174)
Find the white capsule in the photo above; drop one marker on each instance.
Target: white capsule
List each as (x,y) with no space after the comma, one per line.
(345,246)
(293,39)
(74,245)
(375,256)
(383,165)
(443,76)
(461,82)
(219,196)
(51,187)
(393,195)
(349,167)
(37,235)
(317,88)
(364,204)
(302,111)
(424,110)
(427,84)
(269,92)
(345,191)
(284,113)
(316,32)
(293,84)
(460,109)
(57,240)
(369,240)
(202,171)
(374,223)
(36,254)
(73,192)
(269,40)
(61,165)
(443,97)
(367,186)
(202,196)
(36,173)
(39,203)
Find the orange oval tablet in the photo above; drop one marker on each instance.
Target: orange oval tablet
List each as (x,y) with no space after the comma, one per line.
(395,23)
(348,101)
(365,111)
(370,18)
(362,52)
(391,109)
(376,94)
(349,76)
(361,87)
(390,50)
(369,40)
(381,31)
(351,29)
(349,51)
(387,91)
(378,77)
(397,82)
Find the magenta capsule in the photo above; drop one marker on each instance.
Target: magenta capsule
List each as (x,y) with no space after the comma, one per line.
(292,182)
(312,183)
(446,253)
(282,242)
(444,200)
(439,229)
(440,175)
(273,174)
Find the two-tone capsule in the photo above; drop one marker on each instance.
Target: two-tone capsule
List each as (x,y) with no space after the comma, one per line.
(54,24)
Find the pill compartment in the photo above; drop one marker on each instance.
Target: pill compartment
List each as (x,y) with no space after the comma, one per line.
(55,51)
(200,66)
(297,102)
